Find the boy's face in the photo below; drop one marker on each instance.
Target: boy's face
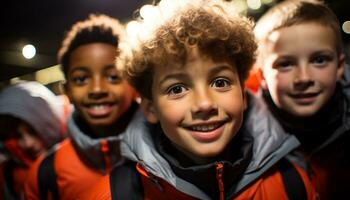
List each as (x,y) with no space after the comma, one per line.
(21,136)
(28,141)
(199,106)
(301,67)
(94,85)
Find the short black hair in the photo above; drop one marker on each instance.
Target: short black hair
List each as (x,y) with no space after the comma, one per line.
(95,29)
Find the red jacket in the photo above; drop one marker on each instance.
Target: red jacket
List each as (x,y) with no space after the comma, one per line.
(163,177)
(268,187)
(78,162)
(73,176)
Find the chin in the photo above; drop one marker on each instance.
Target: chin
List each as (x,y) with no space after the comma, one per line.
(101,122)
(305,112)
(210,152)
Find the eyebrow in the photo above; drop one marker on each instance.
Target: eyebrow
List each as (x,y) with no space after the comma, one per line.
(172,76)
(220,68)
(212,72)
(109,66)
(80,68)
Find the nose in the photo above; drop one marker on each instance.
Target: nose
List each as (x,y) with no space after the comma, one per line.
(97,88)
(303,78)
(204,105)
(27,141)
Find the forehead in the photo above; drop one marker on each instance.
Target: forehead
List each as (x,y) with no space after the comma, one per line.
(195,60)
(92,55)
(306,36)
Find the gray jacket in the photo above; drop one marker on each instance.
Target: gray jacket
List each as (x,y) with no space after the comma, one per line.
(270,145)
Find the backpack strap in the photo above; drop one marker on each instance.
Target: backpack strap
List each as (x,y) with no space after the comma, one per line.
(292,180)
(8,190)
(47,178)
(125,182)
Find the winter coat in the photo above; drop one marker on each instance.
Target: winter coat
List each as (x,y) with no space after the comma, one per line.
(325,141)
(46,113)
(78,162)
(251,174)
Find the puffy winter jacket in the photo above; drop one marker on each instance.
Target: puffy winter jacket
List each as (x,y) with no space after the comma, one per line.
(261,145)
(46,113)
(325,139)
(78,163)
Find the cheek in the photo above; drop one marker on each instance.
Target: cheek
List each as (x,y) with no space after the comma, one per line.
(124,92)
(327,78)
(233,103)
(278,83)
(76,94)
(171,112)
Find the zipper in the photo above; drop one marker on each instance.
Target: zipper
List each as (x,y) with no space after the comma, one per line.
(154,179)
(219,172)
(105,151)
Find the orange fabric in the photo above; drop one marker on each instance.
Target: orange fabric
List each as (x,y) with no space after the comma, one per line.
(253,81)
(329,171)
(269,187)
(73,177)
(105,151)
(19,175)
(12,146)
(100,191)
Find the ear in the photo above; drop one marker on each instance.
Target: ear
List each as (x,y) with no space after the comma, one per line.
(262,78)
(245,100)
(149,110)
(341,66)
(62,86)
(65,89)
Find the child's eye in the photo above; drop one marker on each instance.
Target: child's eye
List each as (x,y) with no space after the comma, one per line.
(283,64)
(220,83)
(114,78)
(176,90)
(80,80)
(321,59)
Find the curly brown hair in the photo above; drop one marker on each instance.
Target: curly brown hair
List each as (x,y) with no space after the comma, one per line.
(97,28)
(210,26)
(292,12)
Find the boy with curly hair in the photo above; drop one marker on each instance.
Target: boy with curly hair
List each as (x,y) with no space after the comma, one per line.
(302,65)
(195,141)
(104,105)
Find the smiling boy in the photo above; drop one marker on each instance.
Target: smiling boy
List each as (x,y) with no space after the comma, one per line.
(104,105)
(196,141)
(302,64)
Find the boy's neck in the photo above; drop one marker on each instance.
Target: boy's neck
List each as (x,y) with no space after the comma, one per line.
(314,130)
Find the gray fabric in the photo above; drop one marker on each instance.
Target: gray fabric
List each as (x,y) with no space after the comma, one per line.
(37,105)
(89,149)
(270,145)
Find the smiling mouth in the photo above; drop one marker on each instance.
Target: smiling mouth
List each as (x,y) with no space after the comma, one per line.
(208,132)
(99,110)
(305,98)
(204,128)
(305,95)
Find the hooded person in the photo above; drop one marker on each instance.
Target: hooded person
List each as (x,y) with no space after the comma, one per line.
(32,120)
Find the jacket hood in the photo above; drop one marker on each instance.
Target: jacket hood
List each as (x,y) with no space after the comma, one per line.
(270,144)
(36,105)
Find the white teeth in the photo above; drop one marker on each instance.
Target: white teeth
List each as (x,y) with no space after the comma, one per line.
(98,107)
(204,128)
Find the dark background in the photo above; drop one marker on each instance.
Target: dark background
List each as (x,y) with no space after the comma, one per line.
(44,22)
